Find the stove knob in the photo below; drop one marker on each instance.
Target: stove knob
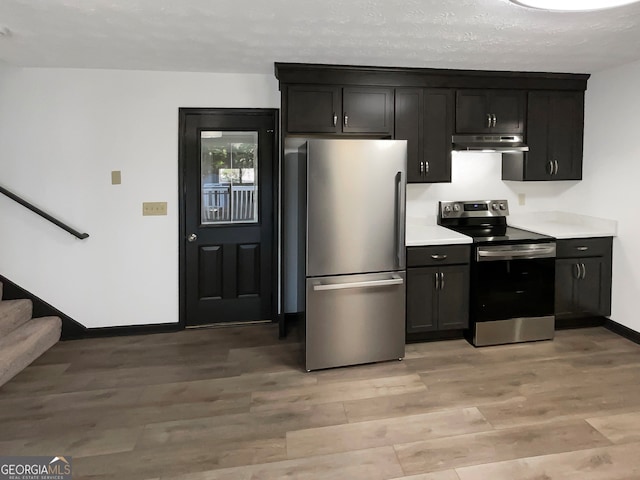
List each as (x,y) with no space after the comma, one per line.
(447,208)
(503,206)
(494,206)
(456,207)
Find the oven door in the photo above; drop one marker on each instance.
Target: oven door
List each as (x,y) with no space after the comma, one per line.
(514,288)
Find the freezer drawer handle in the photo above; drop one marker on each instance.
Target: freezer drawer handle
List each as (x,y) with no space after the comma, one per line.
(372,283)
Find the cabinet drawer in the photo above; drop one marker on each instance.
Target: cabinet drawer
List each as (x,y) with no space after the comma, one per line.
(438,255)
(583,247)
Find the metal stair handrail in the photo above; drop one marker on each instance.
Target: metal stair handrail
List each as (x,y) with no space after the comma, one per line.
(43,214)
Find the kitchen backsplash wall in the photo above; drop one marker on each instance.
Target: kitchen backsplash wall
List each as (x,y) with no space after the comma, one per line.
(477,176)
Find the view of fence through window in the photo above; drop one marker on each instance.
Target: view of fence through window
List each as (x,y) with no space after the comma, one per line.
(229,176)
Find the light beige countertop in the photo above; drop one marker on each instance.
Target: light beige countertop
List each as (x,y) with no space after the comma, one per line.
(425,232)
(564,225)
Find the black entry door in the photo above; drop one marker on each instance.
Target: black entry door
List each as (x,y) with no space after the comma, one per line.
(227,215)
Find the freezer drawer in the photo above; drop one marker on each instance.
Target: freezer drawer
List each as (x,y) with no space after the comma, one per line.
(352,319)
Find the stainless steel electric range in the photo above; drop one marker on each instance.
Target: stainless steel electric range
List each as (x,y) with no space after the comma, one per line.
(512,274)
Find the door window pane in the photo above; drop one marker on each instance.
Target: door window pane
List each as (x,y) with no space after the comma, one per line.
(229,175)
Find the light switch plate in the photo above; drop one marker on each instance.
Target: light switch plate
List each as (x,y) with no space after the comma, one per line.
(116,177)
(154,208)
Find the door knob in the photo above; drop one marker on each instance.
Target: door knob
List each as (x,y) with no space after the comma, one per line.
(192,238)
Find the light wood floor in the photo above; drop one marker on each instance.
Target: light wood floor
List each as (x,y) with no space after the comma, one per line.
(234,404)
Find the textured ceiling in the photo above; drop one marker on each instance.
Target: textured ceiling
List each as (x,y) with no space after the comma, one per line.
(249,35)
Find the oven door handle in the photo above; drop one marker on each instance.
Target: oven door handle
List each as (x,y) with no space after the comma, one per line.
(493,254)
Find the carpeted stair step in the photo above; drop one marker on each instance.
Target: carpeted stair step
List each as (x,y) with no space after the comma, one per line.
(26,343)
(13,314)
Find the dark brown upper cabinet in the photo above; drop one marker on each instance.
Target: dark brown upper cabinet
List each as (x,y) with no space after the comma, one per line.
(555,127)
(424,117)
(490,111)
(424,106)
(316,109)
(313,108)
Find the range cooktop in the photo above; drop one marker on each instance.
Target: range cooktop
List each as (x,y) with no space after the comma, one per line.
(500,234)
(485,221)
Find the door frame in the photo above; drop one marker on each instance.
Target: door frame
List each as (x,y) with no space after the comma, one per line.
(183,112)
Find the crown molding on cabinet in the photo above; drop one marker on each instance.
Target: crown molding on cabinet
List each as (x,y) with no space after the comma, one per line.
(303,73)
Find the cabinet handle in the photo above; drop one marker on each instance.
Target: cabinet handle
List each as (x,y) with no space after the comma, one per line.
(346,120)
(584,271)
(437,280)
(555,162)
(335,119)
(582,249)
(488,120)
(550,165)
(442,281)
(495,120)
(422,169)
(578,272)
(438,256)
(426,168)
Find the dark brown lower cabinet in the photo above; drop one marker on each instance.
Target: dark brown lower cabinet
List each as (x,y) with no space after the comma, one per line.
(583,278)
(438,295)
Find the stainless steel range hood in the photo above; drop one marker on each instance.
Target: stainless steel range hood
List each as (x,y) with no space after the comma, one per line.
(489,143)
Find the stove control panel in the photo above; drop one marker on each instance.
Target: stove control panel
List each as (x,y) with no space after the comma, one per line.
(475,208)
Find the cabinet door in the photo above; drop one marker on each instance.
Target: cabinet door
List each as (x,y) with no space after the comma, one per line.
(583,287)
(424,117)
(367,110)
(508,108)
(453,297)
(589,292)
(566,278)
(472,114)
(313,109)
(422,300)
(566,117)
(437,131)
(538,165)
(409,126)
(554,136)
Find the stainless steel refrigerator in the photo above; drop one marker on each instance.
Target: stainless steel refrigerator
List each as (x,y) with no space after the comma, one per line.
(349,249)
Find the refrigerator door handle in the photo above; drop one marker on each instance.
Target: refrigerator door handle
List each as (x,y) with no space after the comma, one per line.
(399,221)
(394,280)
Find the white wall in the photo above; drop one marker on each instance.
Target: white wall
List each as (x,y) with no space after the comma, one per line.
(612,178)
(62,132)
